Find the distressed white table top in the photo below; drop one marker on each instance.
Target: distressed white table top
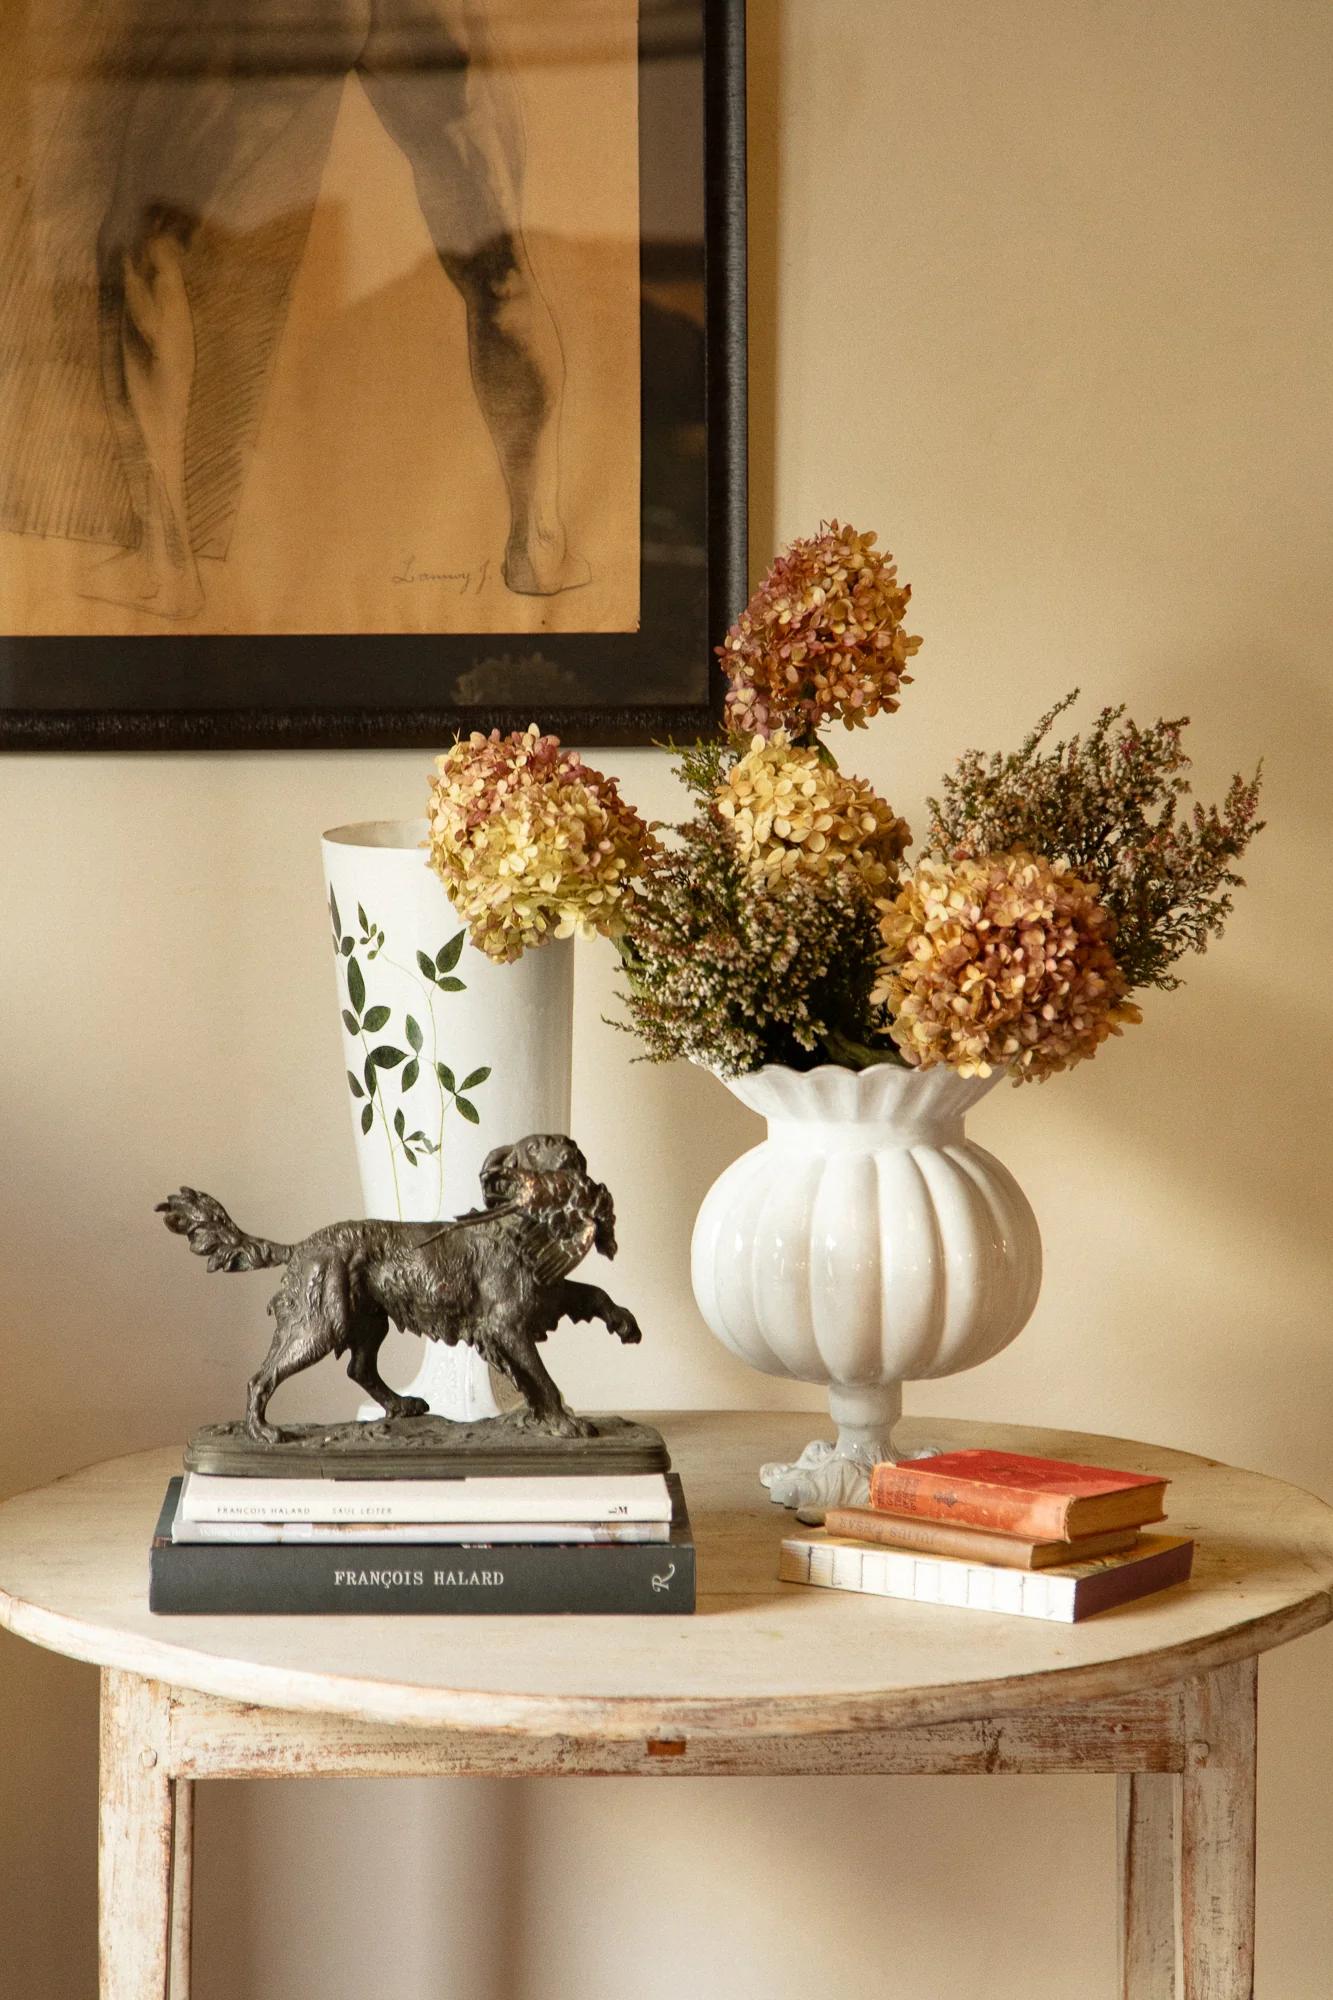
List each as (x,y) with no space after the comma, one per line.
(758,1656)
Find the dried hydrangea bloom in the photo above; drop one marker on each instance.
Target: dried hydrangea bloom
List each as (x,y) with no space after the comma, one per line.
(530,843)
(822,639)
(1002,962)
(789,808)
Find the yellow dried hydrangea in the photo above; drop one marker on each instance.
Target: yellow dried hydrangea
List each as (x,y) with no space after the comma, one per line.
(821,640)
(789,808)
(530,843)
(1000,963)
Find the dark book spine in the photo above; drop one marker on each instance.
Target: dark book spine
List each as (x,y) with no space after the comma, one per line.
(286,1581)
(293,1580)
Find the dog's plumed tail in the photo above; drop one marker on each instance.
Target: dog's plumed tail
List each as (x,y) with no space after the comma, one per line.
(210,1232)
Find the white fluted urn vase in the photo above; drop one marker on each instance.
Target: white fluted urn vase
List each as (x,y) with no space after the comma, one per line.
(866,1242)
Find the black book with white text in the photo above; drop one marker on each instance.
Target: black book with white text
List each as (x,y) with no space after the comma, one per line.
(342,1578)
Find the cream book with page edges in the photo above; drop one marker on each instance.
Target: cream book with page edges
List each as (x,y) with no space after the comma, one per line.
(630,1496)
(1063,1596)
(398,1534)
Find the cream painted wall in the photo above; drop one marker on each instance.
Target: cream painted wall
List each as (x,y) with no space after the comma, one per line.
(1041,290)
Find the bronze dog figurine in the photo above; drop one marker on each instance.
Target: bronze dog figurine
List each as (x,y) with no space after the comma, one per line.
(497,1278)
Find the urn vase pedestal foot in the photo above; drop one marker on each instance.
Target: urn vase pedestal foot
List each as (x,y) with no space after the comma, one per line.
(838,1474)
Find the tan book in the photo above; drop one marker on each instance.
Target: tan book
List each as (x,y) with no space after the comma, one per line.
(943,1538)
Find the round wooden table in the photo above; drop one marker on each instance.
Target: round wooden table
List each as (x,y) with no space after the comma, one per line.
(766,1678)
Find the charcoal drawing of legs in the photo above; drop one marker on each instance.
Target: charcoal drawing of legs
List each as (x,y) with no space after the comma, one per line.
(431,73)
(212,98)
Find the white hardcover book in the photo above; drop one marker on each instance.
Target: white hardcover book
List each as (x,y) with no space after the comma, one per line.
(562,1497)
(1062,1596)
(390,1534)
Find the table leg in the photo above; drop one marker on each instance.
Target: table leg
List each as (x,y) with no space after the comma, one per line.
(1217,1834)
(137,1842)
(1146,1815)
(182,1887)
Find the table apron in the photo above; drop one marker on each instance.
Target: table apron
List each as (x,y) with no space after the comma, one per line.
(202,1736)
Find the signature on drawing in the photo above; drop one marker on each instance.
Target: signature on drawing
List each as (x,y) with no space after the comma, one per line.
(466,582)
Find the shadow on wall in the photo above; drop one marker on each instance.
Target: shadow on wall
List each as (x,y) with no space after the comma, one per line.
(431,1901)
(1239,1040)
(48,1886)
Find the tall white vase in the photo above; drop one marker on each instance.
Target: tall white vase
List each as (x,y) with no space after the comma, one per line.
(866,1242)
(447,1053)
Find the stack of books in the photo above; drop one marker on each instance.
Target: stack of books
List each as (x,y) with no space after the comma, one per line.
(997,1531)
(540,1542)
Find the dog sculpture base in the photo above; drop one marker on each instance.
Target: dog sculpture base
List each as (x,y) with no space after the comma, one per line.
(425,1448)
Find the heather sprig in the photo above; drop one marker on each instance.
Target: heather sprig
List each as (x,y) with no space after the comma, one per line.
(1111,804)
(731,973)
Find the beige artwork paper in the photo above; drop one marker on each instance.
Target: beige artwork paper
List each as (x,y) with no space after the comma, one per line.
(381,342)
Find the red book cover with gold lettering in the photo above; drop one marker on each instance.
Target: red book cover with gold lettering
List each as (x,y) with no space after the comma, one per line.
(1045,1499)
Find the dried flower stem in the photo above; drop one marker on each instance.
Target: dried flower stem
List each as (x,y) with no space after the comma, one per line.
(1110,805)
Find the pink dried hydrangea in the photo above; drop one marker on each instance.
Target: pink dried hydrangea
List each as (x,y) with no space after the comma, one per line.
(1003,962)
(790,808)
(822,639)
(530,843)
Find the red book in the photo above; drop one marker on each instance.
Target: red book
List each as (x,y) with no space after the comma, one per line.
(1044,1499)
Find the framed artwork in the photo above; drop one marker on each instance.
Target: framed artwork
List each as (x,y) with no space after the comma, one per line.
(369,369)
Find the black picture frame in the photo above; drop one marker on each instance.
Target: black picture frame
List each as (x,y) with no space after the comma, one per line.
(690,594)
